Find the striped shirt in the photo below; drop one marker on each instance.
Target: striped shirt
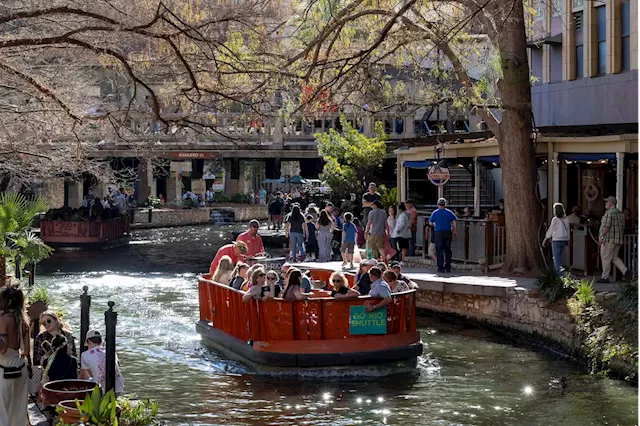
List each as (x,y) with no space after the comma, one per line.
(614,220)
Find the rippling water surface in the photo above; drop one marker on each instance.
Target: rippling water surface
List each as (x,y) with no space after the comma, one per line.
(465,377)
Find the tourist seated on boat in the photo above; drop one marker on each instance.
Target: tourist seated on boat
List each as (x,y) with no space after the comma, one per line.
(293,290)
(236,251)
(363,284)
(253,241)
(341,288)
(239,275)
(396,285)
(306,282)
(43,344)
(273,281)
(60,365)
(257,288)
(379,288)
(396,267)
(247,283)
(223,271)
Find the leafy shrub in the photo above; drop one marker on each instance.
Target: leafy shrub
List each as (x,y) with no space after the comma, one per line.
(189,203)
(241,198)
(138,413)
(553,287)
(153,202)
(627,296)
(221,197)
(585,293)
(39,294)
(389,197)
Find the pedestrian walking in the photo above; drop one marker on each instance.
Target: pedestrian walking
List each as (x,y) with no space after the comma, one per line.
(325,235)
(413,214)
(611,239)
(376,230)
(558,233)
(446,229)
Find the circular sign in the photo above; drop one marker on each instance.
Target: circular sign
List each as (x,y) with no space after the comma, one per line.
(438,175)
(591,192)
(217,186)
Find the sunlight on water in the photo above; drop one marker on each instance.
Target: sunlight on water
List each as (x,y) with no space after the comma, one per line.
(465,377)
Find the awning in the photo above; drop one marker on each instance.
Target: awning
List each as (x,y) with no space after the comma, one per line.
(280,180)
(490,159)
(556,39)
(425,164)
(586,157)
(297,179)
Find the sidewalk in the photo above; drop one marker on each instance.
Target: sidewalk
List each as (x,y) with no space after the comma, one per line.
(462,282)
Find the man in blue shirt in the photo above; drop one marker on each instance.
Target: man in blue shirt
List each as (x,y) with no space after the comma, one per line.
(445,226)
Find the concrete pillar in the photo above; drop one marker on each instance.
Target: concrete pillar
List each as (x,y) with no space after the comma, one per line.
(401,180)
(147,183)
(568,43)
(634,33)
(409,127)
(613,37)
(546,63)
(590,33)
(53,192)
(556,179)
(620,179)
(75,194)
(550,178)
(278,134)
(476,187)
(174,188)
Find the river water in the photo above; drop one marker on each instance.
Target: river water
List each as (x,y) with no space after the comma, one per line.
(467,376)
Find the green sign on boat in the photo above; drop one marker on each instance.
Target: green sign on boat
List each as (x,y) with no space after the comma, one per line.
(363,322)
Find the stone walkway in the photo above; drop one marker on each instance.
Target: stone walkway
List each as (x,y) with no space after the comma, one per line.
(460,282)
(448,283)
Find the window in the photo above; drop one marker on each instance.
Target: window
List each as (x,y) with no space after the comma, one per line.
(601,17)
(577,4)
(625,35)
(558,7)
(540,6)
(577,17)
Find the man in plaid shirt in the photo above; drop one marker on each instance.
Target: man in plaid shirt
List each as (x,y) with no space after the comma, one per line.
(611,239)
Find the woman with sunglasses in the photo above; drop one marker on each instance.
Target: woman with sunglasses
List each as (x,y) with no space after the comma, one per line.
(273,282)
(341,288)
(257,290)
(43,345)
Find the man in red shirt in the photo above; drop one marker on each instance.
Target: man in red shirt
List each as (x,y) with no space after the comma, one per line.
(236,251)
(252,239)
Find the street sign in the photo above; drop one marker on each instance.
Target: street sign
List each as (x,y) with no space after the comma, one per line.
(363,322)
(438,176)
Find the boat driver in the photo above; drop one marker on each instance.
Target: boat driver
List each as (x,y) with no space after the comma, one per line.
(250,237)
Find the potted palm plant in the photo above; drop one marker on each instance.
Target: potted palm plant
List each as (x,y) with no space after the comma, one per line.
(17,241)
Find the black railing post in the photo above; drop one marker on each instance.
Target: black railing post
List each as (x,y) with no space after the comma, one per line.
(18,269)
(150,214)
(32,274)
(85,306)
(110,319)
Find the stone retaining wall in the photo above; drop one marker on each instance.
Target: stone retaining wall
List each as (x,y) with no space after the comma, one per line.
(245,212)
(516,310)
(161,218)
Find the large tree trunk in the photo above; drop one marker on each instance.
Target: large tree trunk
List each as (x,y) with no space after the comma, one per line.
(517,152)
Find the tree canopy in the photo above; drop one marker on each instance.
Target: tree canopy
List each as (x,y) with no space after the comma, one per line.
(351,159)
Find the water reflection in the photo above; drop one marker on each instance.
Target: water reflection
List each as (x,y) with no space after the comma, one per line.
(465,377)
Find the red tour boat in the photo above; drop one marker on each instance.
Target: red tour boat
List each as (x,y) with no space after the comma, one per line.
(320,332)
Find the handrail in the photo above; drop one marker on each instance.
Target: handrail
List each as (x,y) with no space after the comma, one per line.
(322,318)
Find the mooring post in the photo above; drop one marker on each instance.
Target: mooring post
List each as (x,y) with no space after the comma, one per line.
(18,270)
(110,319)
(85,307)
(32,274)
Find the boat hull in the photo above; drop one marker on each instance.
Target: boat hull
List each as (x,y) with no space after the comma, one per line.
(325,354)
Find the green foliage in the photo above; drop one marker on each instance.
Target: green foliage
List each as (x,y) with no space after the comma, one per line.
(189,203)
(39,294)
(16,238)
(627,297)
(585,293)
(138,413)
(241,198)
(389,197)
(351,158)
(153,202)
(98,409)
(553,287)
(221,197)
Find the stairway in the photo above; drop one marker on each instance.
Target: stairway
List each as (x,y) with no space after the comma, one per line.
(459,190)
(222,216)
